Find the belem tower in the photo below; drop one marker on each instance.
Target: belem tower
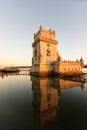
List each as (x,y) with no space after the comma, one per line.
(46,59)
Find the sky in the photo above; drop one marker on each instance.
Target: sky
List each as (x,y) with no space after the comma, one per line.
(20,19)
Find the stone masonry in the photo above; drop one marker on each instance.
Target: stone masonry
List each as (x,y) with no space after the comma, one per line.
(46,59)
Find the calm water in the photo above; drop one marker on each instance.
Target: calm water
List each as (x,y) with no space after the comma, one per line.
(30,103)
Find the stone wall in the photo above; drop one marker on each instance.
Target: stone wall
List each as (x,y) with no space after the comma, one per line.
(67,67)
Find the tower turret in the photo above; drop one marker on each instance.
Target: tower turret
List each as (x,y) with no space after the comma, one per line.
(82,62)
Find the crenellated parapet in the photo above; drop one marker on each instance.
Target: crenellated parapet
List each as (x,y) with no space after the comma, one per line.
(68,62)
(45,36)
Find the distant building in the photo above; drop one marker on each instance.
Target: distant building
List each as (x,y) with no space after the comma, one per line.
(46,59)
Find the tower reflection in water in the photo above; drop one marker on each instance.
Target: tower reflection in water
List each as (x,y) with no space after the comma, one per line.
(46,93)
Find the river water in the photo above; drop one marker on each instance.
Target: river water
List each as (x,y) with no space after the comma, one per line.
(32,103)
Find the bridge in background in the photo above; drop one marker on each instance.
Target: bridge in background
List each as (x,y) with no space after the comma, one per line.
(22,70)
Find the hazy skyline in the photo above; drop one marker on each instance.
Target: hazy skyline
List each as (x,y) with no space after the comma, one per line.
(20,19)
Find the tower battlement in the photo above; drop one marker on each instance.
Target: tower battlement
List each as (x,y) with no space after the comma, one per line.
(70,62)
(45,36)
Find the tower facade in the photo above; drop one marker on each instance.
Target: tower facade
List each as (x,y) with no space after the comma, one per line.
(44,51)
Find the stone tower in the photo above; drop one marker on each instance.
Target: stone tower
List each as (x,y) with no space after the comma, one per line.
(44,52)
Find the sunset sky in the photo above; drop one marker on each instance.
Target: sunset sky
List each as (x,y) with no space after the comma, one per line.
(20,19)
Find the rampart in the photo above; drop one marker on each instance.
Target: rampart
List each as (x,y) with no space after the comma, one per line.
(67,67)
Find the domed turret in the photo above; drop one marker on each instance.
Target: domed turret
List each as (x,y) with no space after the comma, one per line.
(82,62)
(59,58)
